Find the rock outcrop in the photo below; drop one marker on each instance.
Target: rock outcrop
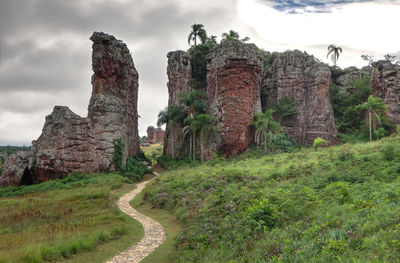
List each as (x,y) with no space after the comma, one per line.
(154,135)
(15,169)
(234,71)
(300,77)
(385,83)
(179,80)
(70,143)
(348,76)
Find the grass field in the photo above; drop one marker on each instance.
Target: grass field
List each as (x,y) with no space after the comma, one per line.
(69,220)
(338,204)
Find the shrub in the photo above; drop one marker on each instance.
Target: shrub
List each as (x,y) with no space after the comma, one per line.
(319,142)
(263,215)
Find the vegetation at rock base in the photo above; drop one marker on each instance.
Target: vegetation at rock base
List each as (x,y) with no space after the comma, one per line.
(336,204)
(63,219)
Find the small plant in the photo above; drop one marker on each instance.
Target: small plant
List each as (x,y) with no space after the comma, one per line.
(398,130)
(318,142)
(118,152)
(379,133)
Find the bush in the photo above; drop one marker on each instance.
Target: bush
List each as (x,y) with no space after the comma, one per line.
(318,142)
(135,169)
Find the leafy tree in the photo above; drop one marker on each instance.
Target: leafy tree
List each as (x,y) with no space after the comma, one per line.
(172,116)
(211,41)
(284,108)
(266,128)
(373,107)
(334,52)
(198,61)
(347,118)
(204,124)
(390,58)
(198,31)
(368,58)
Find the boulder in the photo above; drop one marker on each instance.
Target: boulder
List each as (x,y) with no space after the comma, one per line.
(16,169)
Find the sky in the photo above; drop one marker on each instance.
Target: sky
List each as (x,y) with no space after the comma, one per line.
(45,51)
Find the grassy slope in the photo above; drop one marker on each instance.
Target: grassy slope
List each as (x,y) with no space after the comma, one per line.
(166,252)
(337,204)
(72,220)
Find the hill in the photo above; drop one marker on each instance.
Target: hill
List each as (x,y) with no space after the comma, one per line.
(332,205)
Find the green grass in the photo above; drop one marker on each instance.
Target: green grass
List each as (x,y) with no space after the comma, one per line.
(338,204)
(73,220)
(166,252)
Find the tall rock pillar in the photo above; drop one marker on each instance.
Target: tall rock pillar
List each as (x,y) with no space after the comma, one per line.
(300,77)
(234,72)
(179,80)
(385,83)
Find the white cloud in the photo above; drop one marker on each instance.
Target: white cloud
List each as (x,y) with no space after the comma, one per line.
(358,27)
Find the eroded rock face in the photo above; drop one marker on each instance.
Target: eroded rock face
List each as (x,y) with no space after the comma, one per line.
(385,83)
(70,143)
(16,169)
(179,80)
(234,72)
(299,76)
(346,80)
(154,135)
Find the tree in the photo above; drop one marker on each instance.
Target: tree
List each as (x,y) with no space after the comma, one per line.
(172,115)
(266,128)
(195,104)
(233,35)
(204,124)
(373,107)
(334,52)
(198,31)
(368,58)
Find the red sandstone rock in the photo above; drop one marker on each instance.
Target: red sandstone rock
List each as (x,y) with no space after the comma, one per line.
(385,83)
(299,76)
(70,143)
(154,135)
(179,80)
(233,86)
(15,169)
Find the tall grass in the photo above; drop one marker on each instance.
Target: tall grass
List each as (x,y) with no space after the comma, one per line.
(55,220)
(340,204)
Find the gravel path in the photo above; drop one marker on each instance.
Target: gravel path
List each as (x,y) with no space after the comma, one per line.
(154,234)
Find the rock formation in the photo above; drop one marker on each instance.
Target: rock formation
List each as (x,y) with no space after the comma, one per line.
(70,143)
(348,76)
(300,77)
(15,169)
(385,83)
(179,80)
(154,135)
(234,72)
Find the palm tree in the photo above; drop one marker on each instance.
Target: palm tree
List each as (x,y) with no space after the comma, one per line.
(334,52)
(231,35)
(373,107)
(197,31)
(195,104)
(266,128)
(171,115)
(205,125)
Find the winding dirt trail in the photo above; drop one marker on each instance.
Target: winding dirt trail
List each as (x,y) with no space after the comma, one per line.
(154,233)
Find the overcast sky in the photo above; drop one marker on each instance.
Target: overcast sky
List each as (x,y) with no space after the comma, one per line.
(45,56)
